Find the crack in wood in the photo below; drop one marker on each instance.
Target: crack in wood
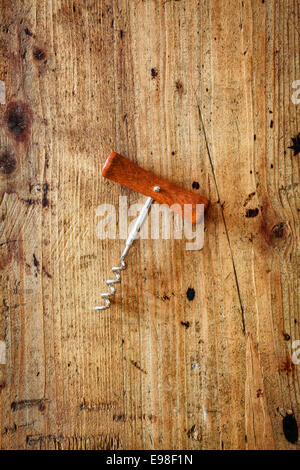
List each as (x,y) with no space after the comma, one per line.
(223,217)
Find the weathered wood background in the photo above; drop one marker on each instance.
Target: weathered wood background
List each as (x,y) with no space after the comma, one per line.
(196,91)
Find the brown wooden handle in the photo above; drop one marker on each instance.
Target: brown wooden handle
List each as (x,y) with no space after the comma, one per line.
(121,170)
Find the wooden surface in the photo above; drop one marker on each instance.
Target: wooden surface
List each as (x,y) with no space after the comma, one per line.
(195,91)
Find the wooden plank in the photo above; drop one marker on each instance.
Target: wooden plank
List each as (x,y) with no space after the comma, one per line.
(197,92)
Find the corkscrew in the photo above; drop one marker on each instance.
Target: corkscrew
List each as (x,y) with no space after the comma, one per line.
(131,237)
(121,170)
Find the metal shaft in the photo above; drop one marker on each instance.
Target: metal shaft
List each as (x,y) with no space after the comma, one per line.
(137,226)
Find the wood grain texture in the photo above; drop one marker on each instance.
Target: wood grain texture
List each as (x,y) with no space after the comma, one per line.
(194,91)
(182,201)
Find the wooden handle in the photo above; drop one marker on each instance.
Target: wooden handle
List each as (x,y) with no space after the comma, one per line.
(121,170)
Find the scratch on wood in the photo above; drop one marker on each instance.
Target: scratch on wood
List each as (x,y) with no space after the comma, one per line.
(259,429)
(249,198)
(142,417)
(98,406)
(39,402)
(15,427)
(75,442)
(135,364)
